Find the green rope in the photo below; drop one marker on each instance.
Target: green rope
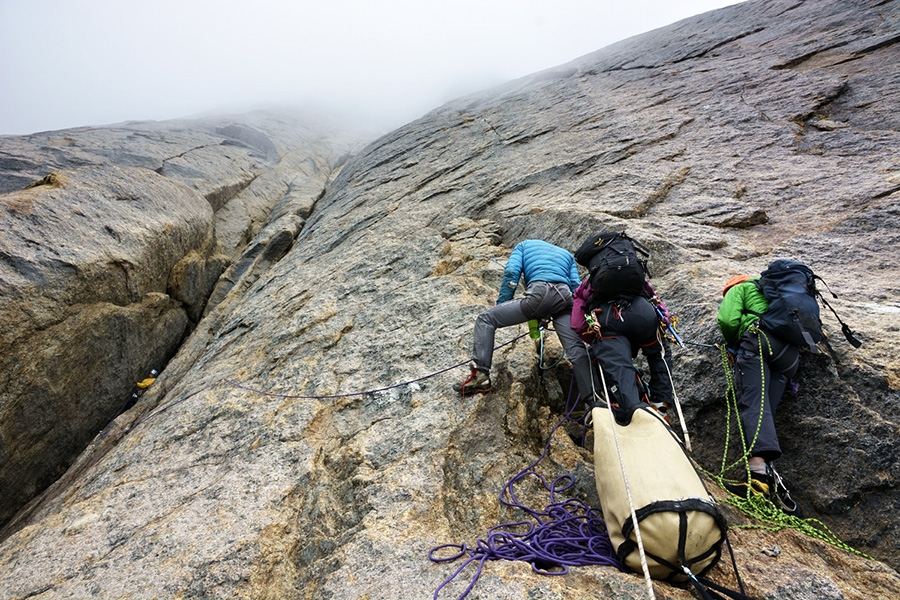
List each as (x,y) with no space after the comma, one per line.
(733,412)
(762,509)
(758,506)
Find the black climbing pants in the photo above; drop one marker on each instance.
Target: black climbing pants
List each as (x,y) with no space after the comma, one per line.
(759,385)
(625,329)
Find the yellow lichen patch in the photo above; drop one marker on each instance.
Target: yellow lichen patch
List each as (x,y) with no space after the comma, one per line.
(445,267)
(53,180)
(273,569)
(20,202)
(893,380)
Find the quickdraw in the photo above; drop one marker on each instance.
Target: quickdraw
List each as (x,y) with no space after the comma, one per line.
(593,321)
(667,321)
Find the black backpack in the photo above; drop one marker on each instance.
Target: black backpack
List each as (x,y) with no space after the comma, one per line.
(793,313)
(617,272)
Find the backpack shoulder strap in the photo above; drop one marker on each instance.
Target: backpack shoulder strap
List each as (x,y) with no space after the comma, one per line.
(637,245)
(845,329)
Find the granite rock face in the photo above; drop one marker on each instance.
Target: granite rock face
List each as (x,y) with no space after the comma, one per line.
(305,443)
(109,255)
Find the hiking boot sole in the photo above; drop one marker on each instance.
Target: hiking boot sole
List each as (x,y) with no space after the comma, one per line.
(462,391)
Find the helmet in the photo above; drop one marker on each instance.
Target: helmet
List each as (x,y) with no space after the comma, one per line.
(154,373)
(734,281)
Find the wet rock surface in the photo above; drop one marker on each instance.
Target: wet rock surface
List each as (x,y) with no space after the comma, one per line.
(304,442)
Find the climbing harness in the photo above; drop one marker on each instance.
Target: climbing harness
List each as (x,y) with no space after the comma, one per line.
(593,321)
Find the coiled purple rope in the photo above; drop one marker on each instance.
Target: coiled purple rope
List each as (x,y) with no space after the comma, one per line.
(566,533)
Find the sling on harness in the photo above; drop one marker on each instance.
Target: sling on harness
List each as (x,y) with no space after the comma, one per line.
(667,321)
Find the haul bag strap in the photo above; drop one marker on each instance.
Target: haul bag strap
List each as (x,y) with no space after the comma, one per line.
(710,587)
(681,507)
(688,504)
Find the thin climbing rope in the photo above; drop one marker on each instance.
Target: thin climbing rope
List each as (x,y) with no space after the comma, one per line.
(634,519)
(235,384)
(681,419)
(566,533)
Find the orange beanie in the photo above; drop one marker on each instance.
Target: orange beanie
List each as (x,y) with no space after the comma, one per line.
(734,281)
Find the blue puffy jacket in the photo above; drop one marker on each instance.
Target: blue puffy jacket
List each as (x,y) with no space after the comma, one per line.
(537,260)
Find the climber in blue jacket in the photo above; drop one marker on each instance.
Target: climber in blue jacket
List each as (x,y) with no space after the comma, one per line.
(550,276)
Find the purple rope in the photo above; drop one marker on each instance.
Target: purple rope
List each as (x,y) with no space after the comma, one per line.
(566,533)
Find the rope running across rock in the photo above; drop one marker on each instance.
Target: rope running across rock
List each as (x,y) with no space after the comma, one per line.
(300,396)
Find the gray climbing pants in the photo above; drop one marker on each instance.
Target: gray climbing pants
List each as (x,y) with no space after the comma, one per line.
(542,300)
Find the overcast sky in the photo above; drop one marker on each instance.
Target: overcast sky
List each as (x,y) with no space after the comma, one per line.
(69,63)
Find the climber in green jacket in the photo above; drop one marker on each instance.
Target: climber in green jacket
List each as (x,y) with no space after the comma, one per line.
(759,385)
(741,307)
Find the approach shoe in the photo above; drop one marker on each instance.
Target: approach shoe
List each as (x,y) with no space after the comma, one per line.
(662,408)
(759,484)
(477,382)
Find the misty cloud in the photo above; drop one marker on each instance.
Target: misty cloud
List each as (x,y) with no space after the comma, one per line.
(91,62)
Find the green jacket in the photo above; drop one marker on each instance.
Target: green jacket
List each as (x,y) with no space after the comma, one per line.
(734,313)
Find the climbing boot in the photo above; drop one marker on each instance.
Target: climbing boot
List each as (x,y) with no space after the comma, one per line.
(771,486)
(759,484)
(477,382)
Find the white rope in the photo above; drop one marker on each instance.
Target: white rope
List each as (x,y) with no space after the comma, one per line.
(684,431)
(634,519)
